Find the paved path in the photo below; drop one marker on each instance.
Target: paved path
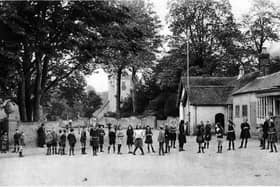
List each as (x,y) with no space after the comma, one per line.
(250,166)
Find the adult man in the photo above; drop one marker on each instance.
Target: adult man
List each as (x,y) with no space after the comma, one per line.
(265,131)
(41,135)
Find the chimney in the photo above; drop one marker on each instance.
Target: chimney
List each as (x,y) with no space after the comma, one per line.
(241,72)
(264,60)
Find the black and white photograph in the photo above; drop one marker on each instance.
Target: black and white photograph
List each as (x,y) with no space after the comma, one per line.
(139,92)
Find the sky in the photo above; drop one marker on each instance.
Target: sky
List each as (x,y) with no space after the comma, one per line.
(99,80)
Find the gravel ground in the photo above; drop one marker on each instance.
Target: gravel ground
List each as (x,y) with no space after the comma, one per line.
(250,166)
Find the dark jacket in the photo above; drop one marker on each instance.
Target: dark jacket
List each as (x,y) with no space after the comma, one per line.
(182,134)
(208,132)
(83,138)
(129,134)
(265,129)
(200,134)
(94,137)
(245,130)
(101,134)
(71,139)
(230,133)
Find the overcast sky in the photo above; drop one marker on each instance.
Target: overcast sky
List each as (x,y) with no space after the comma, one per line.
(239,7)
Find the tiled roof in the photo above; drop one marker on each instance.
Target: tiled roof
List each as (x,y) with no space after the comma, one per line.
(263,83)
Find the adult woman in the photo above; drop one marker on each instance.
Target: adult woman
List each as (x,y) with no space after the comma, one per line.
(129,140)
(245,133)
(182,136)
(230,135)
(272,136)
(149,138)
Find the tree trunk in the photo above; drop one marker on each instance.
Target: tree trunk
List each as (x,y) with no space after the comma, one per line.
(118,94)
(21,98)
(28,102)
(38,90)
(133,90)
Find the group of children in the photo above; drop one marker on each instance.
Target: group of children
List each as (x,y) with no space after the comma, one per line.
(18,142)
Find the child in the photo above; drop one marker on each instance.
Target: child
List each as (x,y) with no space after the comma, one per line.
(272,136)
(101,133)
(173,135)
(49,141)
(167,138)
(138,135)
(200,137)
(16,141)
(4,142)
(62,141)
(207,135)
(149,138)
(245,133)
(59,143)
(21,144)
(54,143)
(260,135)
(161,140)
(94,141)
(112,139)
(129,141)
(219,134)
(182,136)
(120,138)
(72,141)
(83,140)
(230,135)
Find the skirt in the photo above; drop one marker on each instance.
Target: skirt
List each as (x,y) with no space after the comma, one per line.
(129,140)
(231,136)
(199,139)
(245,134)
(138,142)
(149,140)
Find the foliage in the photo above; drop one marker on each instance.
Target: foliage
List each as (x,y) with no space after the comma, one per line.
(47,42)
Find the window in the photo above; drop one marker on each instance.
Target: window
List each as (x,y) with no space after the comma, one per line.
(237,111)
(244,110)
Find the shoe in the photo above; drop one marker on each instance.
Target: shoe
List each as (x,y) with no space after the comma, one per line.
(240,147)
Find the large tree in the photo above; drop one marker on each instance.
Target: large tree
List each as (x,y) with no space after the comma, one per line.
(260,26)
(135,44)
(212,32)
(49,41)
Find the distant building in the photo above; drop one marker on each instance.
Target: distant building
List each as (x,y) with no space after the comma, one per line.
(112,91)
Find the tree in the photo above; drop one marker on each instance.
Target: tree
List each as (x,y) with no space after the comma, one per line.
(92,103)
(131,43)
(261,25)
(212,32)
(52,42)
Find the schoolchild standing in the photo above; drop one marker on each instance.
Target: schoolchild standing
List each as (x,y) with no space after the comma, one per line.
(83,140)
(173,135)
(139,135)
(260,135)
(129,140)
(230,135)
(272,136)
(4,142)
(101,133)
(120,139)
(219,134)
(149,138)
(54,143)
(21,144)
(62,141)
(16,141)
(49,141)
(112,138)
(72,141)
(161,141)
(167,139)
(94,140)
(59,142)
(245,133)
(200,137)
(207,135)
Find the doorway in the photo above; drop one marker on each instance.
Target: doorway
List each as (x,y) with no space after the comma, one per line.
(220,118)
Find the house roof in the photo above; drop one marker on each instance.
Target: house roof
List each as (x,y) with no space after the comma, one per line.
(213,90)
(264,83)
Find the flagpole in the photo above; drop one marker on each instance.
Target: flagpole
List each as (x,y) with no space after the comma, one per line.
(188,80)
